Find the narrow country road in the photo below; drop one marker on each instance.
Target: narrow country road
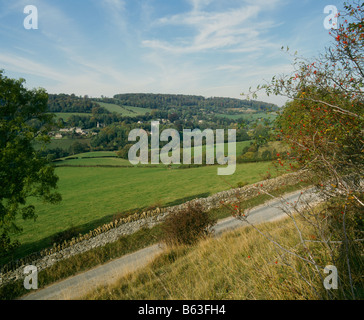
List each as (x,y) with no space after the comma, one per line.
(79,285)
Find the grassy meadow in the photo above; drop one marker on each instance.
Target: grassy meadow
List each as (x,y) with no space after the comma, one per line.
(125,111)
(93,196)
(109,158)
(252,116)
(109,161)
(96,154)
(64,143)
(97,186)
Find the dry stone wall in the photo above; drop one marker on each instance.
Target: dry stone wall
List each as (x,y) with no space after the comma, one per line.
(110,232)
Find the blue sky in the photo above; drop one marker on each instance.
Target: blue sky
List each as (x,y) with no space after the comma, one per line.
(202,47)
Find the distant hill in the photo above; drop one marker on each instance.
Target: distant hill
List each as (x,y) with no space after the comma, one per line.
(165,101)
(64,103)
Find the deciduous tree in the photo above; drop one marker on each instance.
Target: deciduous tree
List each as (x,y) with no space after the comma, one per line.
(323,126)
(23,172)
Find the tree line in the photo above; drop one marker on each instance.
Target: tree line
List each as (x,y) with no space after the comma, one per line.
(166,101)
(71,103)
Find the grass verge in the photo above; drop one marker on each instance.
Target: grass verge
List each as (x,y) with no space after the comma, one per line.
(241,265)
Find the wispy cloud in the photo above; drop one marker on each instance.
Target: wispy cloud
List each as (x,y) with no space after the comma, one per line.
(24,65)
(116,12)
(118,5)
(199,4)
(233,29)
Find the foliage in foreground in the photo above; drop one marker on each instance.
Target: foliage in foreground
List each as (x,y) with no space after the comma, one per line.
(23,173)
(323,126)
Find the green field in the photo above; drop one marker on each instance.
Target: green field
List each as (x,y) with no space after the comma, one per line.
(95,186)
(94,162)
(91,196)
(126,111)
(96,154)
(89,158)
(109,158)
(248,116)
(64,143)
(240,145)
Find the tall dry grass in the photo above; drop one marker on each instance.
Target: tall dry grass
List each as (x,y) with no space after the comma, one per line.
(237,266)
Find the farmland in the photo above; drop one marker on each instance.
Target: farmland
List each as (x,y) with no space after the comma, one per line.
(251,116)
(109,158)
(64,143)
(98,185)
(126,111)
(92,196)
